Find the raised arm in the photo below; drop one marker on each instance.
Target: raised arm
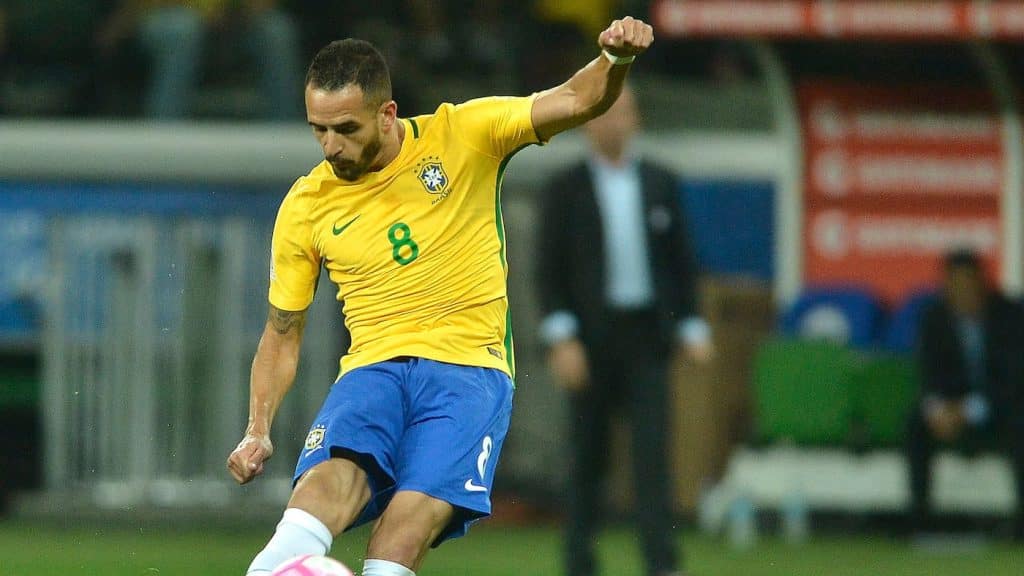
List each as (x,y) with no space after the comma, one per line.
(273,372)
(595,87)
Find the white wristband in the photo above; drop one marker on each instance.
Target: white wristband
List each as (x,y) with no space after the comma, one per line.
(618,60)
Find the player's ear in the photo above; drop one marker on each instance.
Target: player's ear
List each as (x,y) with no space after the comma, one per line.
(388,114)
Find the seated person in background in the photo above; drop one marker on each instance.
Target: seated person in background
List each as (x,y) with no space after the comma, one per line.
(46,59)
(970,356)
(179,36)
(454,36)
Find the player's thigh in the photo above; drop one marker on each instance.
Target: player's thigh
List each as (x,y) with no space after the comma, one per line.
(336,491)
(458,422)
(362,420)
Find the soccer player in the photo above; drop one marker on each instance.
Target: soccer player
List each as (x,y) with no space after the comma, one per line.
(404,214)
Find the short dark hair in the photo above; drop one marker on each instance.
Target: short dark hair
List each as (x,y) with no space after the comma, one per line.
(351,61)
(963,258)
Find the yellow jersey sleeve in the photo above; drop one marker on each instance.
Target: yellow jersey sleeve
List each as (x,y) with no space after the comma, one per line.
(497,125)
(294,263)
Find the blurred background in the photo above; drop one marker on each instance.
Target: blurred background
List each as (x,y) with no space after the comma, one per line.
(829,153)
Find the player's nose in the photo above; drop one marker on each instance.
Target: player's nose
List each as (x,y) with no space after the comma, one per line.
(333,144)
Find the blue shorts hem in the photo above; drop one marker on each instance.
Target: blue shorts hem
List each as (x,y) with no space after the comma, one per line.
(466,514)
(382,484)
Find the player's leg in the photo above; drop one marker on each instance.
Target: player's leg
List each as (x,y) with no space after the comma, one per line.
(458,419)
(402,536)
(335,491)
(345,472)
(327,499)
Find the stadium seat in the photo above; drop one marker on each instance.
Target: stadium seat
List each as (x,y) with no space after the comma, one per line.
(802,392)
(901,333)
(882,391)
(842,314)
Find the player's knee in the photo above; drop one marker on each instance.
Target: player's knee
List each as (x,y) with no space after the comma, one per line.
(335,492)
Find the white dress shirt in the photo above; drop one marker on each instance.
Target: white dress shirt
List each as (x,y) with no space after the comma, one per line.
(629,282)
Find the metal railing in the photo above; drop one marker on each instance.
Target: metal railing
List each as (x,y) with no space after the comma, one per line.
(150,328)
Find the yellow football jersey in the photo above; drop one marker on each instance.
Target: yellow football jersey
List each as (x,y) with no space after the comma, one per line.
(417,249)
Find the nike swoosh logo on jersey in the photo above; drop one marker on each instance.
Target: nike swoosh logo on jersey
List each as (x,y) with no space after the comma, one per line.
(473,487)
(338,230)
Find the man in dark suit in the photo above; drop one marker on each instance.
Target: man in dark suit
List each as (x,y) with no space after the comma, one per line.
(617,282)
(971,361)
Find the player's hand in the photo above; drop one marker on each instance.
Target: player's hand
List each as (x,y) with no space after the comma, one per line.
(626,37)
(568,362)
(246,461)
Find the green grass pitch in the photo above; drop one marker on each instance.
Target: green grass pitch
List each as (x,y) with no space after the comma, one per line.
(30,550)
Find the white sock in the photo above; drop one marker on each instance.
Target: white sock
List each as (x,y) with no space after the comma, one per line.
(298,533)
(385,568)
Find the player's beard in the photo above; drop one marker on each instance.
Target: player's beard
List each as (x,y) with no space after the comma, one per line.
(352,170)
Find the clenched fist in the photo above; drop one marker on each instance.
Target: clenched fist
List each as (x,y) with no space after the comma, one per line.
(626,37)
(246,461)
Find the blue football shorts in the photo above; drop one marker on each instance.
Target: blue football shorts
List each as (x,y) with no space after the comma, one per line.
(420,425)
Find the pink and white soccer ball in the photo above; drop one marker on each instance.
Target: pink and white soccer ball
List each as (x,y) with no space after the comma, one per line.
(311,565)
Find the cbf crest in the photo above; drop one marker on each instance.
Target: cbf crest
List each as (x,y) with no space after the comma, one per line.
(315,438)
(431,174)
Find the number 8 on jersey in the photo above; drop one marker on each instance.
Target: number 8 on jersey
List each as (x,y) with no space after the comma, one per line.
(405,241)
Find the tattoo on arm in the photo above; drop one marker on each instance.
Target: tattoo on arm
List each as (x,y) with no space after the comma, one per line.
(283,321)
